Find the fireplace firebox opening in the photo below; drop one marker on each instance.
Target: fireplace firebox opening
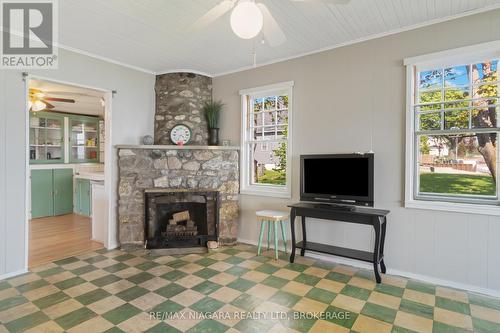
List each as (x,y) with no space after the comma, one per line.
(180,218)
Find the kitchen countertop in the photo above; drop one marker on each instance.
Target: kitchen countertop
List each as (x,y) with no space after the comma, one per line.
(95,176)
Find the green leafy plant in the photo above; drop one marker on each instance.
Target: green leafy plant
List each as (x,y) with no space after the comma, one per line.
(280,153)
(212,110)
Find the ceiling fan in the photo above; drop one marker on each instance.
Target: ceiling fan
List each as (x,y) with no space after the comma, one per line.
(39,100)
(250,17)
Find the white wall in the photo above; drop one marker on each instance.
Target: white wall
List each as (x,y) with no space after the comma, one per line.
(340,96)
(132,117)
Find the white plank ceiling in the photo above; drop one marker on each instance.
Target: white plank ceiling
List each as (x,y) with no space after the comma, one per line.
(154,35)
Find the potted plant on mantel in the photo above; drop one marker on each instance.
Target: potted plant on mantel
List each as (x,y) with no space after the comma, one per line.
(212,110)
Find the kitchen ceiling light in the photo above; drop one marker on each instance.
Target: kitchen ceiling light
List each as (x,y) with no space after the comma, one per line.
(38,106)
(246,20)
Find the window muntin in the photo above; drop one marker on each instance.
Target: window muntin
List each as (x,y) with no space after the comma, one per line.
(456,110)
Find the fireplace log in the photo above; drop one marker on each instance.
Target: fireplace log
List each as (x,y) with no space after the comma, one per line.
(181,216)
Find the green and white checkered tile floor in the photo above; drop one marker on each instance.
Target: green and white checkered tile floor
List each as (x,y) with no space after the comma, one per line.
(231,290)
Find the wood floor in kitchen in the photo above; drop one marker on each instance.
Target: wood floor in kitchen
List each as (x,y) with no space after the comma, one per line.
(59,237)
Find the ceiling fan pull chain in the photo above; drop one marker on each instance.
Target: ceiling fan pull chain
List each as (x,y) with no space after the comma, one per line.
(254,54)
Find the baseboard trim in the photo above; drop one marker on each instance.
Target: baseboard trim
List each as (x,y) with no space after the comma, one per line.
(112,246)
(13,274)
(445,283)
(421,277)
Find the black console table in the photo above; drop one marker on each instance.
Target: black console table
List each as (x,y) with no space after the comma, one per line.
(360,215)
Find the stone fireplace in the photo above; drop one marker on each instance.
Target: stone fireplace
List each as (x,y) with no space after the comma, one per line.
(144,169)
(180,218)
(176,177)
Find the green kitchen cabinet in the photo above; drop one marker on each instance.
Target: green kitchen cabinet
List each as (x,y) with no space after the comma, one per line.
(51,192)
(46,138)
(42,196)
(84,139)
(50,139)
(83,197)
(63,191)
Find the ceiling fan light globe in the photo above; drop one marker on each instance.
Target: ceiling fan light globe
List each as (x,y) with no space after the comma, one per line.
(38,106)
(246,20)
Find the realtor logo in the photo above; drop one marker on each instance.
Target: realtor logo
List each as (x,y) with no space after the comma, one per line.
(29,31)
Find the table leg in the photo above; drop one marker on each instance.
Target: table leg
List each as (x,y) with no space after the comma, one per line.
(276,254)
(376,251)
(382,243)
(261,235)
(304,236)
(292,229)
(269,226)
(283,233)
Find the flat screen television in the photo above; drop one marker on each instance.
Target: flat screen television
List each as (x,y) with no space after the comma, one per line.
(339,178)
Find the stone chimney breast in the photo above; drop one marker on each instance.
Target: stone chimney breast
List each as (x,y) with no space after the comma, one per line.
(179,100)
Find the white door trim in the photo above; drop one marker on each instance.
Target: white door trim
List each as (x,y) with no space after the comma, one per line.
(110,241)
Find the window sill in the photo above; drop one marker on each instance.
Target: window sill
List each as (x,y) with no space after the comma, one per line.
(454,207)
(266,193)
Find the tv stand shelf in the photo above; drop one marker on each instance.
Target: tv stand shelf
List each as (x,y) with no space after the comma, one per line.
(338,251)
(377,218)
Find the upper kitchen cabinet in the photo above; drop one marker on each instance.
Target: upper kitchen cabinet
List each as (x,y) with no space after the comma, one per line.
(64,138)
(84,139)
(46,138)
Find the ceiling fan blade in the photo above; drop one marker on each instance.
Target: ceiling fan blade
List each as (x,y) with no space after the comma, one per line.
(63,100)
(333,2)
(213,14)
(69,93)
(271,29)
(49,106)
(36,93)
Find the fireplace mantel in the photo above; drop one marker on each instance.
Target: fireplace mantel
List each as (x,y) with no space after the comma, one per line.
(176,190)
(175,147)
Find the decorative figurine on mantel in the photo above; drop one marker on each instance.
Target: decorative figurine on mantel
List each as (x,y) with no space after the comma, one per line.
(212,110)
(147,140)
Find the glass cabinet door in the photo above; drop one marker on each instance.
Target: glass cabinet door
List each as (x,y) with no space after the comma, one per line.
(84,138)
(46,138)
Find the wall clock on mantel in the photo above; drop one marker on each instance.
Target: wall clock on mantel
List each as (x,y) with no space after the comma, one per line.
(180,134)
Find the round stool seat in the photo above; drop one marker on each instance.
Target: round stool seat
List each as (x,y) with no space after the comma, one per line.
(275,215)
(273,219)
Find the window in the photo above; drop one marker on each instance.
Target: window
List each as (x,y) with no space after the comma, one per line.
(265,151)
(452,129)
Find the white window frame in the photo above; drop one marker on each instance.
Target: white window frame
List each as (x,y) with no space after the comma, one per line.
(245,170)
(463,55)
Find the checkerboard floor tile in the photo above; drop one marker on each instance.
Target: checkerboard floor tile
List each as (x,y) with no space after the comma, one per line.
(230,290)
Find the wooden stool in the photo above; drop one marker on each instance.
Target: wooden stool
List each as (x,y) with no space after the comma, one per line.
(271,217)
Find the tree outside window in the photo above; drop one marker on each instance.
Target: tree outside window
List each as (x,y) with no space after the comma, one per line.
(456,111)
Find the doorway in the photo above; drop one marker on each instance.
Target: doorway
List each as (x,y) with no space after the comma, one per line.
(67,206)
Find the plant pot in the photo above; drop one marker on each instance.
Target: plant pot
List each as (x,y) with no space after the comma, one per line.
(213,136)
